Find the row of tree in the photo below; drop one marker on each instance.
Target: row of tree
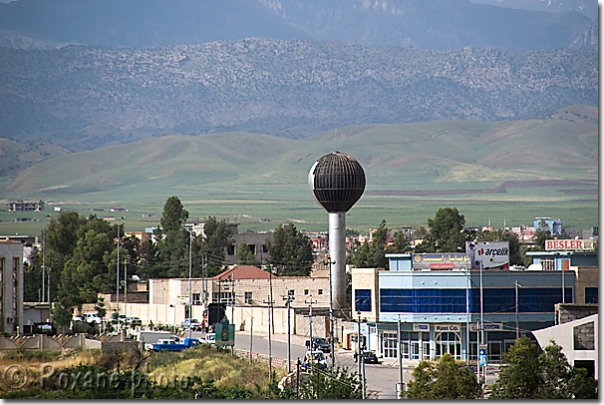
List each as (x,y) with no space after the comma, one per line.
(527,372)
(80,254)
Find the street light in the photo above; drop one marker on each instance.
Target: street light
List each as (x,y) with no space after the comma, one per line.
(331,337)
(288,299)
(117,279)
(190,229)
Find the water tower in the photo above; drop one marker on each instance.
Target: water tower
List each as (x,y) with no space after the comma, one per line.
(337,181)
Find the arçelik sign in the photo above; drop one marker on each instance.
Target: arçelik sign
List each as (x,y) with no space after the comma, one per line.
(489,255)
(569,244)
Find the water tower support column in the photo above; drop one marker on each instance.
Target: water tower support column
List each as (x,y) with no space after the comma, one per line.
(337,253)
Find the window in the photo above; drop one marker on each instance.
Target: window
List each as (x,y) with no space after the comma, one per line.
(306,292)
(362,300)
(196,298)
(231,250)
(583,337)
(252,249)
(548,264)
(320,292)
(591,295)
(248,297)
(264,249)
(291,292)
(389,345)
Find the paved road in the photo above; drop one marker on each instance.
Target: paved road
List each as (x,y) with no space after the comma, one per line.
(381,378)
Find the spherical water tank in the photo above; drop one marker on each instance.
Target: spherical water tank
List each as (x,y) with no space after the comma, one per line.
(337,181)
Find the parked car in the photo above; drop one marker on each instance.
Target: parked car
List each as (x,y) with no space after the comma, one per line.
(314,357)
(134,321)
(174,346)
(209,339)
(368,357)
(191,323)
(319,343)
(90,318)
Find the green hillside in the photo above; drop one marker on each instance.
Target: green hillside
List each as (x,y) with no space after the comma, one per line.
(510,171)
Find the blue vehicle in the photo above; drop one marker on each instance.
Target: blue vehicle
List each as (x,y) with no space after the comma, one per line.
(174,346)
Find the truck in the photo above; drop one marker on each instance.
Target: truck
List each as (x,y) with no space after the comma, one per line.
(214,313)
(174,346)
(150,337)
(319,343)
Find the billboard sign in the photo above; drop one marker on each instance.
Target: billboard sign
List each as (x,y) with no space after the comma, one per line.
(492,255)
(225,333)
(569,244)
(440,261)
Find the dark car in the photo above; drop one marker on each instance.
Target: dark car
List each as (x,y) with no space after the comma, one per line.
(368,357)
(319,343)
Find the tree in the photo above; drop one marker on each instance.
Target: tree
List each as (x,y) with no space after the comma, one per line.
(446,232)
(218,237)
(400,245)
(371,255)
(542,233)
(446,379)
(519,376)
(245,255)
(173,240)
(322,384)
(32,277)
(62,316)
(291,251)
(529,373)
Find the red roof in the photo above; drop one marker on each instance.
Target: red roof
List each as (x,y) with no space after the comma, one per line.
(244,272)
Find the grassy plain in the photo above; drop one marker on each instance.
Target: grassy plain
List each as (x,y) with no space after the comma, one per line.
(500,172)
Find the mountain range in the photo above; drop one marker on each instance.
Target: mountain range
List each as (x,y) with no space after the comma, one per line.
(84,97)
(519,26)
(236,98)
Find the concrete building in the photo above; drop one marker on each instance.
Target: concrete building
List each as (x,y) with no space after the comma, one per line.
(577,336)
(11,286)
(249,285)
(256,242)
(439,300)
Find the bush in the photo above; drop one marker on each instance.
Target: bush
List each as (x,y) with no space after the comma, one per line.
(31,355)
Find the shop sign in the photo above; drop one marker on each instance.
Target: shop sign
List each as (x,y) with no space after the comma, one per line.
(447,328)
(487,326)
(569,244)
(421,327)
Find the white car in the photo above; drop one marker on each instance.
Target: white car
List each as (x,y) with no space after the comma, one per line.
(90,318)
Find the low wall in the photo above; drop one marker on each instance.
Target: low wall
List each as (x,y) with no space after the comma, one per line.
(106,343)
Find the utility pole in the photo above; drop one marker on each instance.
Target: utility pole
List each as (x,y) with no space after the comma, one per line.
(270,353)
(331,336)
(400,360)
(43,263)
(270,282)
(359,355)
(467,319)
(117,279)
(517,309)
(233,298)
(251,336)
(363,387)
(49,296)
(288,299)
(125,288)
(310,302)
(190,278)
(481,317)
